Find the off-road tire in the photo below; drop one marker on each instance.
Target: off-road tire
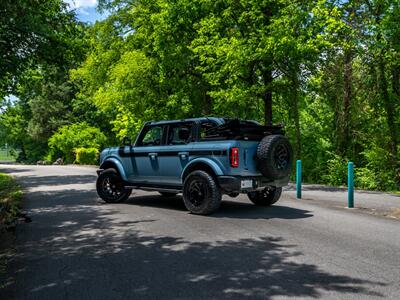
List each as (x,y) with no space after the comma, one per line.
(266,197)
(168,194)
(110,187)
(201,185)
(274,156)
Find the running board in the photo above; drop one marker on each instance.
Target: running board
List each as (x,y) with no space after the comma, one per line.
(147,188)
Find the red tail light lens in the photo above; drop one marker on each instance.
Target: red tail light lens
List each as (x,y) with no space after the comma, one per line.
(235,157)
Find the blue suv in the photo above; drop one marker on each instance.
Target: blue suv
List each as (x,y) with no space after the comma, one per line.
(201,158)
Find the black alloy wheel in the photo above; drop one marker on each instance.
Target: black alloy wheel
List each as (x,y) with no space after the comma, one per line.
(201,194)
(197,192)
(110,187)
(265,197)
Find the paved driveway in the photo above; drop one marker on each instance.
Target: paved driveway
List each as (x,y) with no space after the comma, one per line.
(76,247)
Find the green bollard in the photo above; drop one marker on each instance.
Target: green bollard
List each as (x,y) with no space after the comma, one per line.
(298,178)
(350,184)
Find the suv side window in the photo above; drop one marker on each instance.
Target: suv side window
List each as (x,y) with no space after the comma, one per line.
(152,137)
(179,134)
(204,128)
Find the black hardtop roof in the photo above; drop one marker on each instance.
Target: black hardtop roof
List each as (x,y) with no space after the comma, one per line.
(218,120)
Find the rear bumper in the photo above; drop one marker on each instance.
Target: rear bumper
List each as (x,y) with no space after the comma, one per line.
(233,184)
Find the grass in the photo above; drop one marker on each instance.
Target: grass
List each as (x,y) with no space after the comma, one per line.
(10,199)
(8,156)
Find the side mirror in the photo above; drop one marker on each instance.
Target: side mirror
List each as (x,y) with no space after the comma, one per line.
(126,141)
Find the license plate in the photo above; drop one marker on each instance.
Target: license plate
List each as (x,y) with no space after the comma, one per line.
(247,184)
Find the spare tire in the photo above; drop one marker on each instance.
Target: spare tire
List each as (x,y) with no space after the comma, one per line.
(274,156)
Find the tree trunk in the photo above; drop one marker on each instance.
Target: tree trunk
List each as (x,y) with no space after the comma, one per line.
(208,103)
(268,98)
(396,93)
(296,116)
(396,82)
(344,139)
(390,110)
(384,93)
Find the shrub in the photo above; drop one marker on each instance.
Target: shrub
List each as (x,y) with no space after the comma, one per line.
(378,173)
(336,171)
(86,156)
(70,137)
(365,179)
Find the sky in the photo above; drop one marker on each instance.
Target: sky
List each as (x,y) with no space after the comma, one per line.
(86,10)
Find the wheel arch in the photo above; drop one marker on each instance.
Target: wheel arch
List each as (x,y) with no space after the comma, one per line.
(206,165)
(115,164)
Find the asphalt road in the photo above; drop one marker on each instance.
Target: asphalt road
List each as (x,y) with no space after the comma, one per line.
(77,247)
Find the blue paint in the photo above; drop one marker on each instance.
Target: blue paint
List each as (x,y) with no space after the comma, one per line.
(350,184)
(298,178)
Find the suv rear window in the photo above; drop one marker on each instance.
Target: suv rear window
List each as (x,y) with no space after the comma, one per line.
(205,130)
(179,134)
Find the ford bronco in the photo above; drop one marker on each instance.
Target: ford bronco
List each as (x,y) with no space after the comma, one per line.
(201,158)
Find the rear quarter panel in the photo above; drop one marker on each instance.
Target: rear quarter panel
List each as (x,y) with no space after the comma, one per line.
(247,152)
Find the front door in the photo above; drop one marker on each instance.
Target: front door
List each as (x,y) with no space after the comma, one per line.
(145,156)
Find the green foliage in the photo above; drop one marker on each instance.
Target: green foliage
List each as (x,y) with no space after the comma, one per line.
(376,175)
(86,156)
(328,70)
(44,32)
(336,172)
(366,179)
(69,137)
(10,199)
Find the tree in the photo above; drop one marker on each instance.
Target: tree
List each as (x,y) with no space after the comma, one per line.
(384,50)
(42,41)
(236,57)
(32,32)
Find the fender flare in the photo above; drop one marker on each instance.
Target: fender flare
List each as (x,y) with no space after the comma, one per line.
(206,161)
(116,163)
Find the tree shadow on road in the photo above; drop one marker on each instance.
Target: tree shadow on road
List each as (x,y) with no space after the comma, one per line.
(12,170)
(84,252)
(36,181)
(76,249)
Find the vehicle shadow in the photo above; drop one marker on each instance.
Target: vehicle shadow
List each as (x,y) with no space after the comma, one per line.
(158,201)
(240,210)
(228,209)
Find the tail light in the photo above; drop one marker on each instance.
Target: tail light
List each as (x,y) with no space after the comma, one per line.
(234,157)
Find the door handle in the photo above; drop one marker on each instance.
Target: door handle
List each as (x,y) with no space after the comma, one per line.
(153,155)
(183,155)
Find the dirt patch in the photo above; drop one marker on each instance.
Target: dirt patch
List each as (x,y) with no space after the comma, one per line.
(395,213)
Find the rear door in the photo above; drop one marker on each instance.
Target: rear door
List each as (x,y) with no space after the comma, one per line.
(176,154)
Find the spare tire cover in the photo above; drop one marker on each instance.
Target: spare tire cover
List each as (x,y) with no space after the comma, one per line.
(274,156)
